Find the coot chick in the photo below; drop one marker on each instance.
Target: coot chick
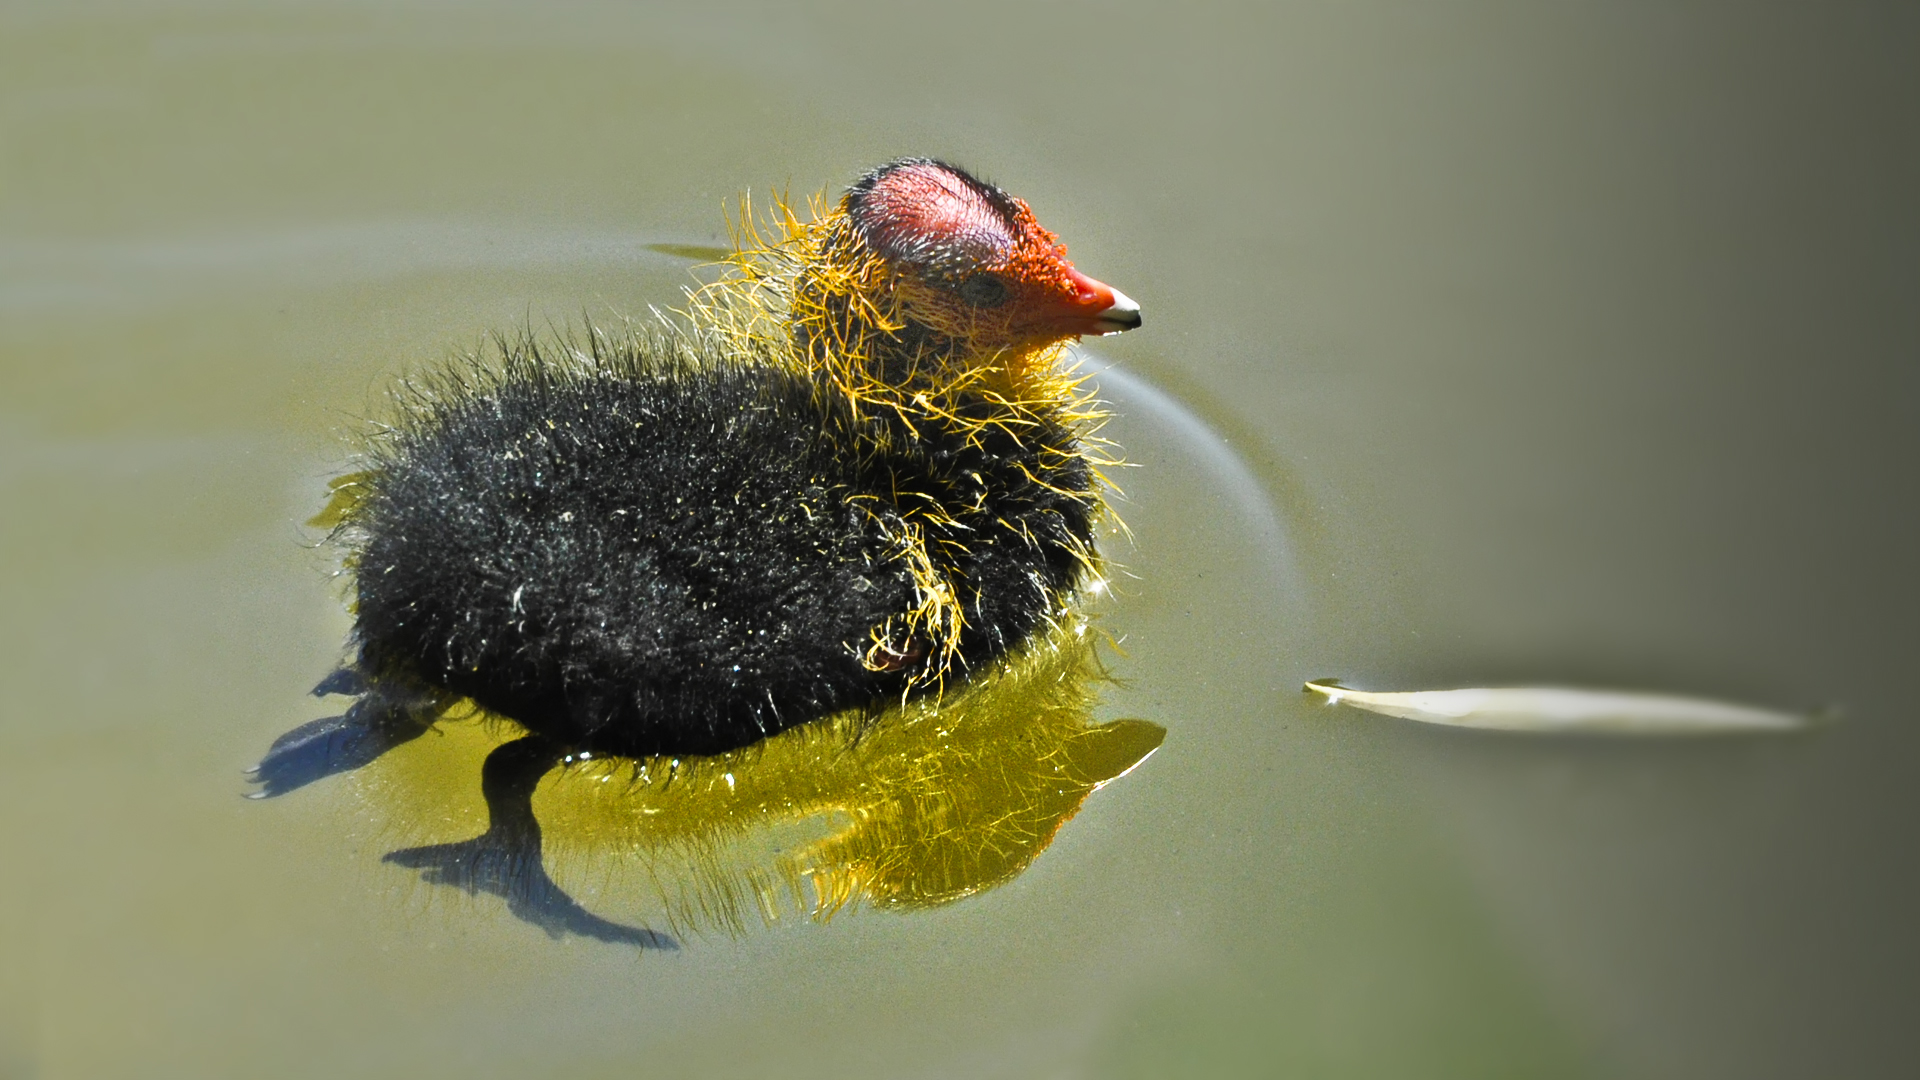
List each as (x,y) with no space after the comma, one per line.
(858,470)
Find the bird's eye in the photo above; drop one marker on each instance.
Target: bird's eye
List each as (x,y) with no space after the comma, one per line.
(985,290)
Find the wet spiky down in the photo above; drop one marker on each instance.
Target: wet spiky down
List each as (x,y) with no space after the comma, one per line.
(855,468)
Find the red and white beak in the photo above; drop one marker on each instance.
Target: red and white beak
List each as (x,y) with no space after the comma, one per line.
(1099,308)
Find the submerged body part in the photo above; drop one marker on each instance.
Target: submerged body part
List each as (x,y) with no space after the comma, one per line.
(927,804)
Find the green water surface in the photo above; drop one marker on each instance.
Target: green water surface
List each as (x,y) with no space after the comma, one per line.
(1484,343)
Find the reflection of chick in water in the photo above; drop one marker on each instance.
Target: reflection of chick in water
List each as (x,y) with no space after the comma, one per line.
(924,804)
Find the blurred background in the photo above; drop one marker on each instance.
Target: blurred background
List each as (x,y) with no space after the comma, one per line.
(1485,343)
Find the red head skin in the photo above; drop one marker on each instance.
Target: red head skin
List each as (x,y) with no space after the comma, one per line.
(976,262)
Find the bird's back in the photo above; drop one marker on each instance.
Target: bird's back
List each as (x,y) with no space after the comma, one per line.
(656,558)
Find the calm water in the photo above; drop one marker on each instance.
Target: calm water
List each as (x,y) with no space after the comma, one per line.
(1483,345)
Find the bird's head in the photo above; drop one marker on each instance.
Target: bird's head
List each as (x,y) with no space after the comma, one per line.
(921,284)
(970,265)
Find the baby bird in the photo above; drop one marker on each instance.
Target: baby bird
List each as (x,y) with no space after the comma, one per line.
(857,471)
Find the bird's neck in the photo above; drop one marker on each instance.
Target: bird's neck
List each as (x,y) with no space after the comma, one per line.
(814,294)
(853,323)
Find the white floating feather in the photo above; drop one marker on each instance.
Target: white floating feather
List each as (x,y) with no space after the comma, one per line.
(1554,708)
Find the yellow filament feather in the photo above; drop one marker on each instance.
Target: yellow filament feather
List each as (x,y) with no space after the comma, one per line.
(811,296)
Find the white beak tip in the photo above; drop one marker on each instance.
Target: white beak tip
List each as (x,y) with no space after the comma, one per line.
(1120,316)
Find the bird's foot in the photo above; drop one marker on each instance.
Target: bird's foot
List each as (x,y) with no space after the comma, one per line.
(499,866)
(379,721)
(344,680)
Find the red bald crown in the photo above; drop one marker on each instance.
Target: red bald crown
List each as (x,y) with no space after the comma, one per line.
(962,234)
(932,216)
